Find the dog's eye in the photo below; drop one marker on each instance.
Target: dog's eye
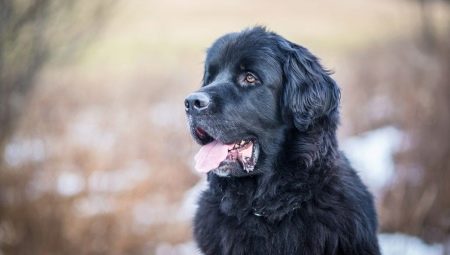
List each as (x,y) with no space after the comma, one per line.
(250,78)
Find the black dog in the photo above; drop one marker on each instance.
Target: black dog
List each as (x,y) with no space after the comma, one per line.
(266,115)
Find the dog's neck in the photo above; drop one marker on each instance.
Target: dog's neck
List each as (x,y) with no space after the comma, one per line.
(256,194)
(312,152)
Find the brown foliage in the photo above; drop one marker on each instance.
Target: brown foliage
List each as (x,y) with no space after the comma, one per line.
(407,85)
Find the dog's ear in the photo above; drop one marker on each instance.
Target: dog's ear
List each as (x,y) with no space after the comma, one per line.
(309,92)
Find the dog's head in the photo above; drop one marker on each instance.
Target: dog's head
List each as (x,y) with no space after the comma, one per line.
(258,88)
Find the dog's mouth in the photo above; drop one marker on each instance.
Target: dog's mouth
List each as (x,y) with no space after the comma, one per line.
(224,158)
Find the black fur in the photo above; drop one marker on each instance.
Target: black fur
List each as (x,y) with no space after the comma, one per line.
(303,197)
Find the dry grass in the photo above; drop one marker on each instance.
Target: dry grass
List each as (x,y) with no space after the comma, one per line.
(407,86)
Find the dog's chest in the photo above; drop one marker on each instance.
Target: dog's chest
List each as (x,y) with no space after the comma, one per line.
(218,233)
(223,234)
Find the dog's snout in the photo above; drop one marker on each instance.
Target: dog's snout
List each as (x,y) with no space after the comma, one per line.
(197,102)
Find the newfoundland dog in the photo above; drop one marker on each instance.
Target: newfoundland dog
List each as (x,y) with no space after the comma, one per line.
(266,117)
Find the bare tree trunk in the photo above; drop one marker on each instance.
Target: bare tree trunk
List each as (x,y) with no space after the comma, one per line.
(428,32)
(26,45)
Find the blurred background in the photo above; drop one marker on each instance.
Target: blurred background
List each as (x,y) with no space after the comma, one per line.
(95,156)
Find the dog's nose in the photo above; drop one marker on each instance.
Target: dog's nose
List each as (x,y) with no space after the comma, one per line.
(197,102)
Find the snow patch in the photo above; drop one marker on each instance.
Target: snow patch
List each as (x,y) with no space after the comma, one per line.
(93,205)
(70,183)
(372,155)
(120,179)
(188,248)
(22,151)
(86,131)
(152,210)
(189,204)
(394,244)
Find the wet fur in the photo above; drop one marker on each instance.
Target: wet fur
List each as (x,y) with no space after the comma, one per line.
(303,197)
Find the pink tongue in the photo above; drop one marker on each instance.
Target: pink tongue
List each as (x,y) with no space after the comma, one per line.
(209,156)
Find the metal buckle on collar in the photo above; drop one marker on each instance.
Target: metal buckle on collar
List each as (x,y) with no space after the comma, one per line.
(257,214)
